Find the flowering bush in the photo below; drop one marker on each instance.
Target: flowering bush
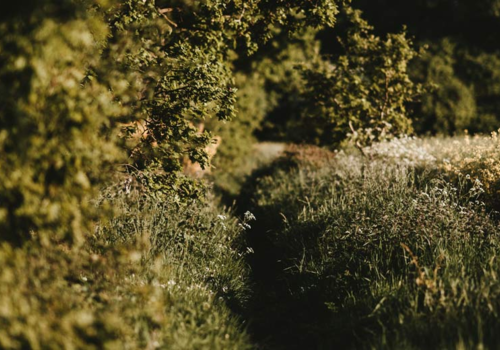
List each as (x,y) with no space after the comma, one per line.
(471,160)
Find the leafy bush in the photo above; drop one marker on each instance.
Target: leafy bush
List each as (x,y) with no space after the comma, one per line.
(364,93)
(56,137)
(451,108)
(464,64)
(185,53)
(73,70)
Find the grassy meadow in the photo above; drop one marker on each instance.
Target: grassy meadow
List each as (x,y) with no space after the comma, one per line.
(396,247)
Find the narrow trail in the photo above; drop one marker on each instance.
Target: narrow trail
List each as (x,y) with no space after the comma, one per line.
(276,318)
(275,315)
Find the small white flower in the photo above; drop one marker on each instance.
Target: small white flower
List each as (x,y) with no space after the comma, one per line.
(249,216)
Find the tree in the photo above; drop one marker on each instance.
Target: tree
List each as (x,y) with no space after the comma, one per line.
(467,75)
(73,71)
(364,93)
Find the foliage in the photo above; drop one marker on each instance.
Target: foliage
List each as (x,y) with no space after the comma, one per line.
(300,104)
(237,136)
(283,83)
(156,277)
(463,63)
(56,140)
(451,107)
(364,93)
(268,104)
(73,70)
(178,79)
(188,68)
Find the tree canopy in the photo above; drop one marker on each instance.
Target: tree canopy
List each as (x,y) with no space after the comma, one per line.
(95,88)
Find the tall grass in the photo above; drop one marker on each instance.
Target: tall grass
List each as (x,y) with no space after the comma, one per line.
(156,276)
(376,253)
(395,249)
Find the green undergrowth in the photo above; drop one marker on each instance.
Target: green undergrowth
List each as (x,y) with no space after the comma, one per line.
(156,276)
(371,253)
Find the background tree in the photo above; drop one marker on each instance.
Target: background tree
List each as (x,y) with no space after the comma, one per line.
(463,59)
(320,95)
(364,93)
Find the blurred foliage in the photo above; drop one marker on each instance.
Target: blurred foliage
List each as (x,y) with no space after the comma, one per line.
(157,276)
(85,83)
(451,107)
(56,140)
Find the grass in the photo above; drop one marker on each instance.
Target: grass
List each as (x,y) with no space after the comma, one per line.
(156,276)
(379,253)
(398,249)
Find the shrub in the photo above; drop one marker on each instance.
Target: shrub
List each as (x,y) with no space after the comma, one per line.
(56,136)
(451,108)
(364,93)
(72,70)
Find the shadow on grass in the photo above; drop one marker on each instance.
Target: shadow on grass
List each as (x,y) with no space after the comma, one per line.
(278,316)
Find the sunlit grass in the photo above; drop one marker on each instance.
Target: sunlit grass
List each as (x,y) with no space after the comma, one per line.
(396,251)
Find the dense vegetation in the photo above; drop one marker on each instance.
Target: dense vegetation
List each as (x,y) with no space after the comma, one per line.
(380,253)
(153,277)
(462,59)
(119,231)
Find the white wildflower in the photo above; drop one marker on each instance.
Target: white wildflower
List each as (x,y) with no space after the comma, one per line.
(249,216)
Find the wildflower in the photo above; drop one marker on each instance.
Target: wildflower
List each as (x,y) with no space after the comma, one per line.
(249,216)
